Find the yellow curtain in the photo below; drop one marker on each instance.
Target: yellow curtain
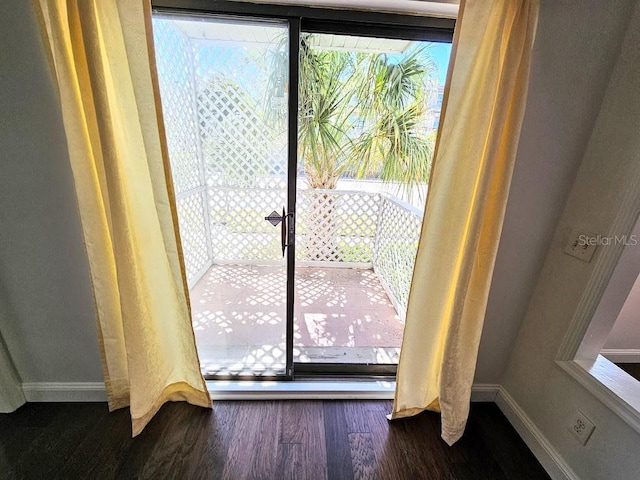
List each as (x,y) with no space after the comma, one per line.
(477,140)
(102,59)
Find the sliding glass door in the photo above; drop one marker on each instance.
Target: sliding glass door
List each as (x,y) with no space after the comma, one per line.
(300,154)
(225,93)
(366,133)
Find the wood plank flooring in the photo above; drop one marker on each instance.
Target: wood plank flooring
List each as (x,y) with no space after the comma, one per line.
(258,440)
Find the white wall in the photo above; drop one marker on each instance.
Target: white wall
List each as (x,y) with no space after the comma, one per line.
(576,46)
(46,307)
(625,334)
(545,392)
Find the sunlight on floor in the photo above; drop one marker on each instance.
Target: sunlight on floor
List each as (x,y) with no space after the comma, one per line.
(342,315)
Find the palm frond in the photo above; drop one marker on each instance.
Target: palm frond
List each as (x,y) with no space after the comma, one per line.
(364,114)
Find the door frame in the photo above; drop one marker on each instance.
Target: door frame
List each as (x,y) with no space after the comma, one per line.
(292,187)
(314,20)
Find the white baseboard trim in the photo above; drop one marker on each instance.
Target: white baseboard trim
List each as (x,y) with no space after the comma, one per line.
(65,392)
(484,392)
(621,355)
(540,446)
(328,390)
(298,390)
(324,390)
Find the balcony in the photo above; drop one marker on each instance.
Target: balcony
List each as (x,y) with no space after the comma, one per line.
(350,291)
(355,245)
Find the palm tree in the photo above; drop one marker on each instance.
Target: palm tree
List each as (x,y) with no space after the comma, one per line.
(363,115)
(326,92)
(395,147)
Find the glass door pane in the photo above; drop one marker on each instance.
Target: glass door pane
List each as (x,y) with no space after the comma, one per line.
(224,87)
(369,111)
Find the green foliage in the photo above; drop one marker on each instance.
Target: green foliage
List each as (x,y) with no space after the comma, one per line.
(354,253)
(326,91)
(363,114)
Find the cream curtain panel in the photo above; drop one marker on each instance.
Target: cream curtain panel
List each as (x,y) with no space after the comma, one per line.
(476,147)
(102,59)
(11,395)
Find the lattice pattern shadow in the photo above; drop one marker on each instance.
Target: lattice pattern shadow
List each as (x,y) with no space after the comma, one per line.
(341,314)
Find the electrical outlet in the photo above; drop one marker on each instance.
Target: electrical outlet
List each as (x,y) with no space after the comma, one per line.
(581,427)
(581,245)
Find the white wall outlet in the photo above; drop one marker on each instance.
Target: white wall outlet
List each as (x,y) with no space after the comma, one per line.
(581,245)
(581,427)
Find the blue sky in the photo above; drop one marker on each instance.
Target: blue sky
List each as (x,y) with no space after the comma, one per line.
(441,53)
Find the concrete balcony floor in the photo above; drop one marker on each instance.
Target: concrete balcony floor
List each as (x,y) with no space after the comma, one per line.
(342,315)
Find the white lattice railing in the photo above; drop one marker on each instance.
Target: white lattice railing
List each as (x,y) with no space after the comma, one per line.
(396,245)
(333,227)
(239,232)
(178,91)
(228,158)
(336,226)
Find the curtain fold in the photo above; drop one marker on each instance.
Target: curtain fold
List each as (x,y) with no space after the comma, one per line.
(102,59)
(477,140)
(11,394)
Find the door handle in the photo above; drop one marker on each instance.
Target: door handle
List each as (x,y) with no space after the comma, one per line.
(275,218)
(283,231)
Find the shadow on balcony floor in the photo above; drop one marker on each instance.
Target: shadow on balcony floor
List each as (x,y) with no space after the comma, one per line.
(342,315)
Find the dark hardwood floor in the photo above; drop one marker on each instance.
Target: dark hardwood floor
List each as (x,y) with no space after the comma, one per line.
(257,440)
